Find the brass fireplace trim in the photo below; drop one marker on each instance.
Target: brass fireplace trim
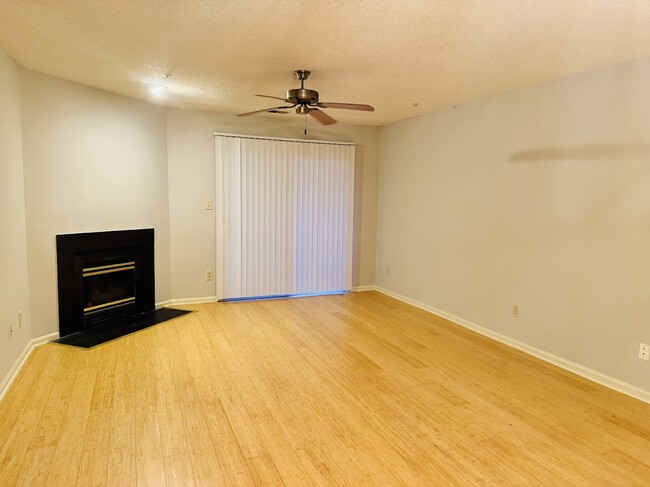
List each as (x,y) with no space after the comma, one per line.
(106,269)
(112,303)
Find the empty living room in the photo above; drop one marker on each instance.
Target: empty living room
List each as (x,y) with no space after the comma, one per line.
(324,243)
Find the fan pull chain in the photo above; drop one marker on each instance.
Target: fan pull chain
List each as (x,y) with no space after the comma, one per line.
(305,124)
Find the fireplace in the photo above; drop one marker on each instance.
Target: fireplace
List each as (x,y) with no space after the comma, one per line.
(104,277)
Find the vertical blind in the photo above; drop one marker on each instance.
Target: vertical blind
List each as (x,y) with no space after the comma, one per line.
(284,217)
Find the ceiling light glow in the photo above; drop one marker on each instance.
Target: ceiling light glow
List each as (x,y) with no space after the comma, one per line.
(157,90)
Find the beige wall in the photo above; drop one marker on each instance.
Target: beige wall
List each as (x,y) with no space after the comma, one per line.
(540,198)
(191,181)
(93,161)
(14,290)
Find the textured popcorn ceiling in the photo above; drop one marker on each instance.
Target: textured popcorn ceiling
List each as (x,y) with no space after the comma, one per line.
(387,53)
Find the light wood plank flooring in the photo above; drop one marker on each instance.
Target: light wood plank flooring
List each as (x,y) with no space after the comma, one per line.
(355,390)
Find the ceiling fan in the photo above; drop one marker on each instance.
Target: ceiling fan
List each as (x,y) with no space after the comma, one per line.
(306,102)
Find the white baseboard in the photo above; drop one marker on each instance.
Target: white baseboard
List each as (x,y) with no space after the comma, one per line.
(201,300)
(22,358)
(163,304)
(587,373)
(357,289)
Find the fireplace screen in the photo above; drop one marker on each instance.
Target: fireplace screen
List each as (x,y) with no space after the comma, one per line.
(108,286)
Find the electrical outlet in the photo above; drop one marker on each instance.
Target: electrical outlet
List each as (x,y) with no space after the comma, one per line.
(644,351)
(11,330)
(515,310)
(20,319)
(208,204)
(209,275)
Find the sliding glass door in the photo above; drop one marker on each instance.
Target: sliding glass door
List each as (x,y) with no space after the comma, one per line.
(284,216)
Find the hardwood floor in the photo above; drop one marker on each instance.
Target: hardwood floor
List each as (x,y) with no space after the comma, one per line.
(346,390)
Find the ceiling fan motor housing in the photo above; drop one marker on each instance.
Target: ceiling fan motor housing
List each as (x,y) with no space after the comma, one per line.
(302,96)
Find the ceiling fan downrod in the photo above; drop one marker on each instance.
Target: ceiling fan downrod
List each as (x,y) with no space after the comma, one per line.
(302,75)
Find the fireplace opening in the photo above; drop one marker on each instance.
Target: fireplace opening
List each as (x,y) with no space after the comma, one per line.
(108,290)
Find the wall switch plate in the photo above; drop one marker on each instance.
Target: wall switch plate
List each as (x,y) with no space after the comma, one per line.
(644,351)
(20,319)
(208,204)
(515,310)
(209,275)
(388,270)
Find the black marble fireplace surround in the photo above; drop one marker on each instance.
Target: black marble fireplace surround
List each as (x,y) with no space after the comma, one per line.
(104,277)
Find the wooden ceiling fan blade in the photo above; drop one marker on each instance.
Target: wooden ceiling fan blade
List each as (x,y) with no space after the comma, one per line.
(321,116)
(346,106)
(274,97)
(271,110)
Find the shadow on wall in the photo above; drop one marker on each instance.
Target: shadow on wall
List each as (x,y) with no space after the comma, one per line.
(611,151)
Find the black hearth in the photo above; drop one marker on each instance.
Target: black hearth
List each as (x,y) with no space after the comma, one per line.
(104,277)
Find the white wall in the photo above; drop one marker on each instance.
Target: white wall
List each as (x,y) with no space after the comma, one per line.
(540,198)
(93,161)
(14,289)
(191,181)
